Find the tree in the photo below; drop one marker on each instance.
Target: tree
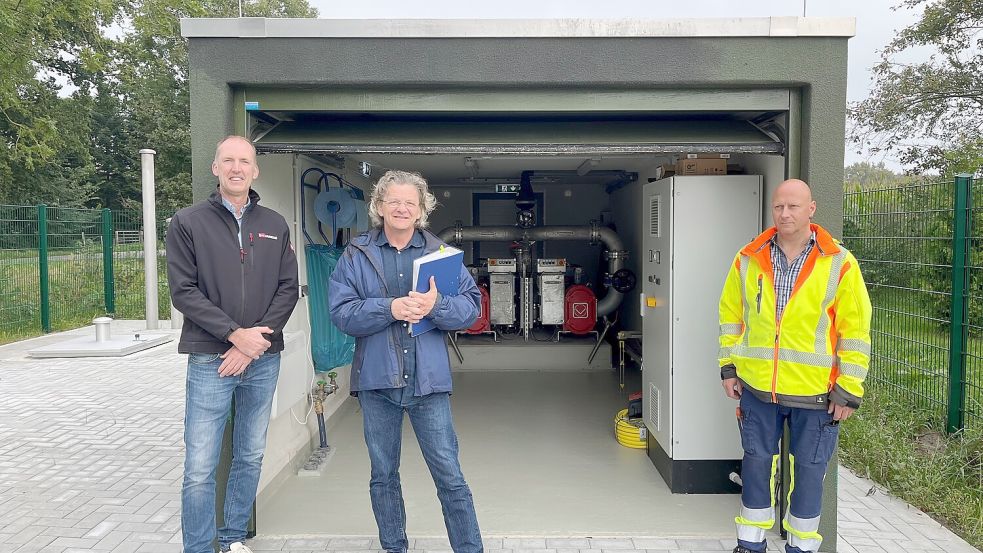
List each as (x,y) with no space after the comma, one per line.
(929,112)
(867,174)
(151,67)
(44,46)
(127,91)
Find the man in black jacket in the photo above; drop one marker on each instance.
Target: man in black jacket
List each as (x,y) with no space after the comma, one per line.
(233,274)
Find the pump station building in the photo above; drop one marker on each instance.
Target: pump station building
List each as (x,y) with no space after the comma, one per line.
(599,176)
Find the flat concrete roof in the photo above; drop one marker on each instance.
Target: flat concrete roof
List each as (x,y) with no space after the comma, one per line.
(261,27)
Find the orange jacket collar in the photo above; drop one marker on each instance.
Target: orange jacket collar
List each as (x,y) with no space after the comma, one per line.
(827,245)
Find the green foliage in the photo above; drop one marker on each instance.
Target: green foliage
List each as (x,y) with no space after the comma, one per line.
(903,448)
(902,233)
(77,105)
(929,112)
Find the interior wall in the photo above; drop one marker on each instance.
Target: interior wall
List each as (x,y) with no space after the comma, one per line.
(772,170)
(563,205)
(289,436)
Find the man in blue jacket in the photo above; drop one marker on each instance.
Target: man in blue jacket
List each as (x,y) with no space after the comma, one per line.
(371,299)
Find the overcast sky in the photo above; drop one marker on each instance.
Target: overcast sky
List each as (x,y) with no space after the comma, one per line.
(876,21)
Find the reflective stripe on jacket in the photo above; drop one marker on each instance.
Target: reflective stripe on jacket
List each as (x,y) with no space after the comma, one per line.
(820,348)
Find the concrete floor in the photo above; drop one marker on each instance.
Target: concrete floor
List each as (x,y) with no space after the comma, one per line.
(538,450)
(84,468)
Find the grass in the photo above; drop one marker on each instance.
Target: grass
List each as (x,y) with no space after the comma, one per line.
(76,293)
(898,438)
(905,450)
(911,356)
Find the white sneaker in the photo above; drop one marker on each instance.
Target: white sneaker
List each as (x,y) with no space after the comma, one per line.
(239,547)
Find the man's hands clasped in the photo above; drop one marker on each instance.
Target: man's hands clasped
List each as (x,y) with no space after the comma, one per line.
(248,344)
(414,307)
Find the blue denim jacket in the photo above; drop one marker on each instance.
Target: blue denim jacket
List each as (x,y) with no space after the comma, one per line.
(359,302)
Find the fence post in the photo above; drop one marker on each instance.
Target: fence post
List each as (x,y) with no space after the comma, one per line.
(959,312)
(107,260)
(44,284)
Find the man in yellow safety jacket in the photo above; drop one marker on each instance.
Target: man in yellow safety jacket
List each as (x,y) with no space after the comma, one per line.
(795,348)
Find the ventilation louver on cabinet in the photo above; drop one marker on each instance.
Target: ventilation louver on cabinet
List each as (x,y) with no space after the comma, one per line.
(654,400)
(655,203)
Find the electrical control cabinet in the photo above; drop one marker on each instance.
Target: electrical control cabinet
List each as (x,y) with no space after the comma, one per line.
(692,226)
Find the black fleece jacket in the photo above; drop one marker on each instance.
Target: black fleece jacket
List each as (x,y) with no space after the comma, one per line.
(219,286)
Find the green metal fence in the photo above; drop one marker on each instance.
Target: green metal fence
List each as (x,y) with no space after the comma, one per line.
(61,267)
(919,248)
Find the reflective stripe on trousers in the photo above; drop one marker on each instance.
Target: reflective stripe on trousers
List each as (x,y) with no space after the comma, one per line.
(812,442)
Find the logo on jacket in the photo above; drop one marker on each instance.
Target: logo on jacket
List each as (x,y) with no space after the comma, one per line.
(270,236)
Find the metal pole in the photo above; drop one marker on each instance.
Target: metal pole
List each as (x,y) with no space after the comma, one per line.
(958,312)
(149,237)
(107,260)
(44,285)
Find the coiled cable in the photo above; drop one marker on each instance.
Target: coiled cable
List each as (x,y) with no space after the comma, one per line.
(630,433)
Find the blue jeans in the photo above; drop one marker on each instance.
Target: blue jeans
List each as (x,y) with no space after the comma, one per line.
(430,416)
(813,435)
(209,397)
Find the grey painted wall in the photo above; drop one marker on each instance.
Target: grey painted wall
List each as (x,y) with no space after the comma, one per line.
(816,65)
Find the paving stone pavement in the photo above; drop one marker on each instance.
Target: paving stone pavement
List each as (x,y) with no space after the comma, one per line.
(91,455)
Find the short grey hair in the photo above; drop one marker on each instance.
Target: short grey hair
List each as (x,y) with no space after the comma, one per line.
(427,200)
(218,146)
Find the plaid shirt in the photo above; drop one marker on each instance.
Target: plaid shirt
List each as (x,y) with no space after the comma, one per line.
(786,273)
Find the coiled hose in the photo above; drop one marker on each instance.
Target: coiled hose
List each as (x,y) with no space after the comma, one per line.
(629,433)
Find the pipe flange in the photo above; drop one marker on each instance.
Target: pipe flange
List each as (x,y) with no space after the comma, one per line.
(458,232)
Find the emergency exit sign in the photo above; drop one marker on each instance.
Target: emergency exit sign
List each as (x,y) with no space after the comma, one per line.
(507,188)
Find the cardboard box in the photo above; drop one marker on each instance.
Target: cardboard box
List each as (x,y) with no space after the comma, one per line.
(702,166)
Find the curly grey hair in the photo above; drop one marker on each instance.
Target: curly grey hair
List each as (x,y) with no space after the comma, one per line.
(427,200)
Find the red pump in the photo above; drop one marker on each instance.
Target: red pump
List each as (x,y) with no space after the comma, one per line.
(579,309)
(483,323)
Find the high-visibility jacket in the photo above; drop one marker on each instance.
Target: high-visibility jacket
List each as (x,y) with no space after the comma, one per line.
(819,350)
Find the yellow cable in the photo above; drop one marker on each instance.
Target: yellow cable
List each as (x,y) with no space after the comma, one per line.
(629,433)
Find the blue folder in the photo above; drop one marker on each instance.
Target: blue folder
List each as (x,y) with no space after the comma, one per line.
(445,266)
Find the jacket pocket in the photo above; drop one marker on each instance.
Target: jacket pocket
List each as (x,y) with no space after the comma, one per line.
(747,428)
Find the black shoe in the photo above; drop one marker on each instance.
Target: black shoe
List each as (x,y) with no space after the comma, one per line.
(742,549)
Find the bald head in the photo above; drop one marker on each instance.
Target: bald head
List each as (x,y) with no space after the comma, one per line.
(792,208)
(795,186)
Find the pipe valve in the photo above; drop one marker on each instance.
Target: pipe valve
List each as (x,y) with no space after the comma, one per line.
(322,390)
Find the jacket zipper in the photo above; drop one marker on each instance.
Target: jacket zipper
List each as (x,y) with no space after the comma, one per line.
(242,271)
(251,256)
(760,277)
(400,383)
(774,374)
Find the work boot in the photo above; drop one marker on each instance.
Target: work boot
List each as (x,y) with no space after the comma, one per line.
(742,549)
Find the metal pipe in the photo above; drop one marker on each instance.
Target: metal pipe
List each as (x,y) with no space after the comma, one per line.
(149,237)
(102,328)
(616,253)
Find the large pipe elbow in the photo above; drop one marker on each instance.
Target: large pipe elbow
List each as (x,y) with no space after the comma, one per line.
(593,233)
